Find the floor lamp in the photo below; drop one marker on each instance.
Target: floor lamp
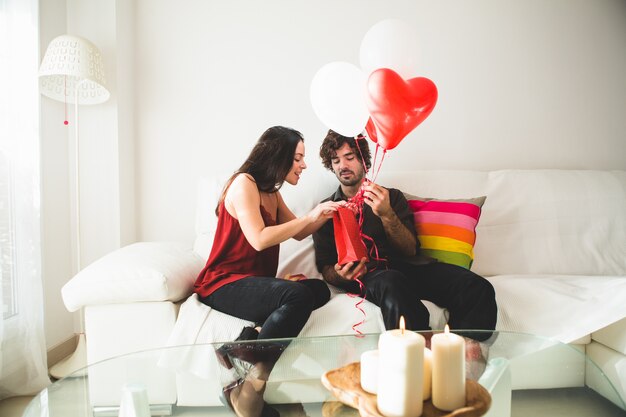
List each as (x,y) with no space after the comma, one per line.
(72,72)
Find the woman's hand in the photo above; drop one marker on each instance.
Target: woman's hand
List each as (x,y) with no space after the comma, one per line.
(323,211)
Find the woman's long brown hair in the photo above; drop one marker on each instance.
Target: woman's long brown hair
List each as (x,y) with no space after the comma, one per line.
(269,161)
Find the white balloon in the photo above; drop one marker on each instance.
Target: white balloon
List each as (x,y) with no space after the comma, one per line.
(338,98)
(392,44)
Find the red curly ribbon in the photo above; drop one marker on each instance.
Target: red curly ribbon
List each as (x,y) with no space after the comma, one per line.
(356,204)
(358,306)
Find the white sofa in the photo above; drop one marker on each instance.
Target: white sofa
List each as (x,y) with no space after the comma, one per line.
(552,242)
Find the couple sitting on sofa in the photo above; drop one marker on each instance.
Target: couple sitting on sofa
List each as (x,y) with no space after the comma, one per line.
(239,276)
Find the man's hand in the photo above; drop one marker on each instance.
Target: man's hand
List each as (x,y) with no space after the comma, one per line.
(399,236)
(377,198)
(349,273)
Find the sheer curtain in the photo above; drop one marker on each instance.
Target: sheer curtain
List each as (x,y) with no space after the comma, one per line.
(23,368)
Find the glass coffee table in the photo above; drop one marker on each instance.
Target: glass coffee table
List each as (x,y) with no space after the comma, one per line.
(520,372)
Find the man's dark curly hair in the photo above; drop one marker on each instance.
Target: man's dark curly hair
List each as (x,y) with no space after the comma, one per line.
(334,141)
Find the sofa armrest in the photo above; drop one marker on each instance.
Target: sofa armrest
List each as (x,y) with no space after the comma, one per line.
(144,271)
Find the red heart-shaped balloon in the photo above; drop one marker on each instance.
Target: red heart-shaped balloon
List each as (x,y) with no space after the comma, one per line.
(371,130)
(397,106)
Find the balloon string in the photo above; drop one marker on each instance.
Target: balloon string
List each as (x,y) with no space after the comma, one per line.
(373,252)
(381,162)
(356,203)
(360,152)
(375,156)
(361,295)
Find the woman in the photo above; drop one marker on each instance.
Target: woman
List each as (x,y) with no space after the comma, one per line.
(240,275)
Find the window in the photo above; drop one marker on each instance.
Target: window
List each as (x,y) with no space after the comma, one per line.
(8,288)
(23,368)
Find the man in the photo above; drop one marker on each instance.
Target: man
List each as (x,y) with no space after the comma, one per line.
(398,284)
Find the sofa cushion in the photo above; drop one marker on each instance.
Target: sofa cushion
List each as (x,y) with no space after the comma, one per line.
(553,222)
(561,307)
(145,271)
(446,229)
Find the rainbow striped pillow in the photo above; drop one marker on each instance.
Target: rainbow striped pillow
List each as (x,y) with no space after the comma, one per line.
(446,229)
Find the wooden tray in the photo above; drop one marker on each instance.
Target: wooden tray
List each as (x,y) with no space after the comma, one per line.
(345,384)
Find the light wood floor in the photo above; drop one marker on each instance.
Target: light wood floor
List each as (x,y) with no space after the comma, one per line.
(563,402)
(14,407)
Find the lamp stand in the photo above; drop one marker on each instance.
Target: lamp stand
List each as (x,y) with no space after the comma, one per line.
(77,180)
(75,363)
(77,58)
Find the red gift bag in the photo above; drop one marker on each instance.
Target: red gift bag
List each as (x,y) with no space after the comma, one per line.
(350,247)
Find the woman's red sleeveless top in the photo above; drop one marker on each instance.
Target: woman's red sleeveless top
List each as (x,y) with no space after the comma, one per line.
(232,258)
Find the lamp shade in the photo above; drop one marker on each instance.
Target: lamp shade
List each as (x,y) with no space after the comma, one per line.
(73,63)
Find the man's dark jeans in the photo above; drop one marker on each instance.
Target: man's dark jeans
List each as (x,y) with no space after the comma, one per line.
(468,297)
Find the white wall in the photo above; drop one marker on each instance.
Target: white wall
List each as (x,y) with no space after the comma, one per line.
(522,84)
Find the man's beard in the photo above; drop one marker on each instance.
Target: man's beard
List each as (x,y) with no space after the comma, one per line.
(354,180)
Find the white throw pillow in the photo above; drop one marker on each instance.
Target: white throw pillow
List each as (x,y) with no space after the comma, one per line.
(144,271)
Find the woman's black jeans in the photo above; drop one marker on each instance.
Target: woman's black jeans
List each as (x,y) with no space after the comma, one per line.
(279,306)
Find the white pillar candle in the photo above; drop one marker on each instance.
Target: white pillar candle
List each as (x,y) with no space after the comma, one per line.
(401,373)
(448,390)
(428,363)
(369,371)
